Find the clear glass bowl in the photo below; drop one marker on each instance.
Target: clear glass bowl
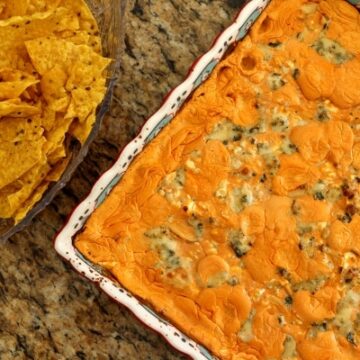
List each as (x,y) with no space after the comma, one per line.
(110,17)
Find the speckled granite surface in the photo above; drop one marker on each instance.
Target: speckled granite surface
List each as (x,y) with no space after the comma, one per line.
(47,311)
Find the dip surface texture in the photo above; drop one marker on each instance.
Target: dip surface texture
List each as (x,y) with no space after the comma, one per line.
(239,222)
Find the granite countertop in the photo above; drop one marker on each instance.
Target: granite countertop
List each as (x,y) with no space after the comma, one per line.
(47,310)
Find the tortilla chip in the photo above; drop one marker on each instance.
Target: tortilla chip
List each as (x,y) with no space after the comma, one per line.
(15,194)
(78,59)
(57,154)
(83,103)
(47,52)
(86,81)
(53,89)
(88,69)
(13,83)
(79,37)
(19,130)
(17,30)
(17,108)
(30,181)
(9,74)
(56,136)
(81,131)
(17,158)
(46,120)
(58,169)
(80,8)
(11,90)
(12,8)
(89,29)
(21,8)
(31,202)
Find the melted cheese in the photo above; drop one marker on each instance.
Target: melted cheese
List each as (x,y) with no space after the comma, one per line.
(240,221)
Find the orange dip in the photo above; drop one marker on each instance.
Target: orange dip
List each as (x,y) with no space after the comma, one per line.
(240,222)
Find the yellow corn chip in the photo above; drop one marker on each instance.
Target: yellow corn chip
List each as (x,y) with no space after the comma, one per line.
(15,31)
(58,169)
(89,29)
(46,119)
(53,89)
(57,154)
(14,195)
(56,136)
(17,108)
(83,103)
(67,54)
(30,182)
(19,130)
(21,8)
(16,158)
(12,90)
(45,53)
(9,74)
(6,210)
(32,201)
(13,83)
(12,8)
(81,131)
(86,68)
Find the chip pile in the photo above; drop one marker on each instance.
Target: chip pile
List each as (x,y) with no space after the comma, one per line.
(52,78)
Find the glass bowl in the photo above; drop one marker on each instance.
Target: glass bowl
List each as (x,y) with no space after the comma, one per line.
(110,17)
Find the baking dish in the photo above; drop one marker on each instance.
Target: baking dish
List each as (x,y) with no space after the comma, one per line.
(111,30)
(103,187)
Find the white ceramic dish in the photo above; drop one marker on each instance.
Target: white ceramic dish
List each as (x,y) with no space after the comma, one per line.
(64,240)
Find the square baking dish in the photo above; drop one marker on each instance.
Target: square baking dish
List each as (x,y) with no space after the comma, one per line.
(64,240)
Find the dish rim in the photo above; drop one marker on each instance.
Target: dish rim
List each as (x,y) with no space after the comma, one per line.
(63,241)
